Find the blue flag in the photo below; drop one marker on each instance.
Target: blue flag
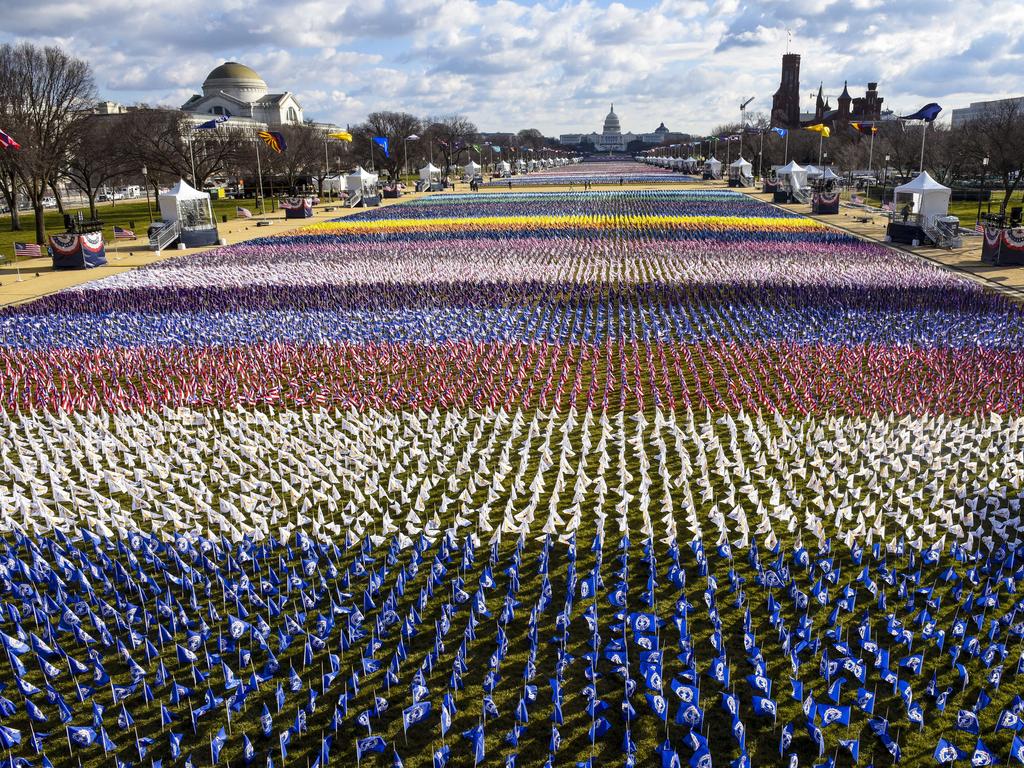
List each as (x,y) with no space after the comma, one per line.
(9,736)
(928,113)
(211,124)
(382,142)
(217,744)
(417,713)
(370,744)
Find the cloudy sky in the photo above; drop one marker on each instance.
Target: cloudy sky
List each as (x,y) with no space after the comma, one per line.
(554,65)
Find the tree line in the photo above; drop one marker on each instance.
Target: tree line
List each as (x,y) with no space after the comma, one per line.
(47,104)
(953,156)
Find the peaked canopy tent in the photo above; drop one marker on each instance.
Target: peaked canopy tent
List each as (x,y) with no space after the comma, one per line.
(712,168)
(792,175)
(503,168)
(471,169)
(925,196)
(361,181)
(741,173)
(192,211)
(430,172)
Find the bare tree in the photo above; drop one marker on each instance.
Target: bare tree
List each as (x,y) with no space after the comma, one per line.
(947,153)
(47,99)
(396,127)
(998,134)
(530,138)
(97,157)
(453,135)
(160,138)
(303,157)
(10,186)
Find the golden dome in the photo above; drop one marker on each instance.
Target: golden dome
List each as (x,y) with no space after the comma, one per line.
(232,70)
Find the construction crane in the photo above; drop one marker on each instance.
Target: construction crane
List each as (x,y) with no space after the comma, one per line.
(743,112)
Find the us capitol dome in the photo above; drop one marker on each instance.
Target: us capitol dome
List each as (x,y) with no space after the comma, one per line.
(612,139)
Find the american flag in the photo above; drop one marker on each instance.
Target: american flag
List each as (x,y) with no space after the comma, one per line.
(124,234)
(242,213)
(27,251)
(979,227)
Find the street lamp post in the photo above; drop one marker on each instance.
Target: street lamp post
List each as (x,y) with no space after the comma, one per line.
(405,162)
(885,179)
(981,194)
(149,205)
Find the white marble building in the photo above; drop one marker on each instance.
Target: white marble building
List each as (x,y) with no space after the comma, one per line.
(236,90)
(611,138)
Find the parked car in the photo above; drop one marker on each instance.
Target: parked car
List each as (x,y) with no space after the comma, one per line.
(49,202)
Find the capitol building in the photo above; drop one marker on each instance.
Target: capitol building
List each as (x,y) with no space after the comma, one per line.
(612,139)
(236,90)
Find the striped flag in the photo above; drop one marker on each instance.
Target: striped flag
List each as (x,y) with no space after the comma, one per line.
(979,227)
(124,234)
(274,140)
(7,142)
(27,251)
(242,213)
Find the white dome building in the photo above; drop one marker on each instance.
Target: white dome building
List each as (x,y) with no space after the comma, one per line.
(236,90)
(612,139)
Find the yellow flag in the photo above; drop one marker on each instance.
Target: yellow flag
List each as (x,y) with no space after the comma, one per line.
(340,136)
(819,128)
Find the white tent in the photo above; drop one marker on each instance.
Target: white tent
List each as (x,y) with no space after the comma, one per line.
(471,169)
(504,168)
(829,175)
(793,174)
(186,204)
(713,166)
(813,171)
(430,172)
(925,195)
(362,181)
(741,167)
(193,212)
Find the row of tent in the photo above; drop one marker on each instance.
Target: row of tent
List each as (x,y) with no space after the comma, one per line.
(684,164)
(924,195)
(712,167)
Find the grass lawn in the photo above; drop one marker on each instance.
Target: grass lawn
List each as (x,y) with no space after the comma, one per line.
(965,210)
(132,214)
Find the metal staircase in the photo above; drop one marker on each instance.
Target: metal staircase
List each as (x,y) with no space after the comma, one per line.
(800,194)
(943,234)
(165,236)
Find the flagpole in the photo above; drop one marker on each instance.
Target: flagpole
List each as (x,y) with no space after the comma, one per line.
(924,133)
(871,148)
(786,156)
(760,156)
(191,155)
(259,177)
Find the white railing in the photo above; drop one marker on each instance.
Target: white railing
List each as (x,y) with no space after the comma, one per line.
(165,236)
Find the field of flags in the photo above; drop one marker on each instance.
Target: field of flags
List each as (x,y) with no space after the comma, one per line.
(646,478)
(607,172)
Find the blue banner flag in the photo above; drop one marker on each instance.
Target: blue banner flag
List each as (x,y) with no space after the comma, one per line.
(928,113)
(382,142)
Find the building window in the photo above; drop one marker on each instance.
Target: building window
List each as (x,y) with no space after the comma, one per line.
(293,116)
(217,110)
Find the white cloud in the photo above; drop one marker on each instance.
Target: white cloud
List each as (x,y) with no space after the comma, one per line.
(550,64)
